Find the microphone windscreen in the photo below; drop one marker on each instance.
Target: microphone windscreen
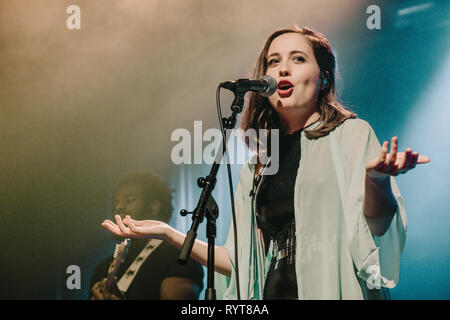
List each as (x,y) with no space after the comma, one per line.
(272,86)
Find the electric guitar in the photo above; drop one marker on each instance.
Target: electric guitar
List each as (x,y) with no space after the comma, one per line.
(120,253)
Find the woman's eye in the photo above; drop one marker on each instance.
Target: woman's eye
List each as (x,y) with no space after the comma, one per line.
(272,61)
(301,59)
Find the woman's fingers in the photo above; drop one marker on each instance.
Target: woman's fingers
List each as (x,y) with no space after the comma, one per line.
(394,162)
(380,163)
(411,160)
(422,159)
(123,228)
(384,151)
(414,158)
(112,227)
(404,163)
(129,222)
(393,154)
(136,228)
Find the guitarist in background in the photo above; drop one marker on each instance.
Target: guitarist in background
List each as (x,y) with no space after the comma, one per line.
(143,195)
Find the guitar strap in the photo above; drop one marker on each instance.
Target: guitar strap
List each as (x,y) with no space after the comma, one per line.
(124,283)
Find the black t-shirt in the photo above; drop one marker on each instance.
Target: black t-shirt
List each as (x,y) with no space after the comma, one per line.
(161,264)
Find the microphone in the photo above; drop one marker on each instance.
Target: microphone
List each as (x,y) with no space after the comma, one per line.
(265,86)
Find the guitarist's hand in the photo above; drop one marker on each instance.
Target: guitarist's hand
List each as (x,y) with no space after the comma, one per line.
(100,292)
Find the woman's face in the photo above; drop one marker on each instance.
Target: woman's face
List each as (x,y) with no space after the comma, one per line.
(292,63)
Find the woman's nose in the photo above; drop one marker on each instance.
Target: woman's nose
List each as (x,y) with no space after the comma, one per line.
(284,70)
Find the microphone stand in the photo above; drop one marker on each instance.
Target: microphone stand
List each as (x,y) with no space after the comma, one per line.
(206,205)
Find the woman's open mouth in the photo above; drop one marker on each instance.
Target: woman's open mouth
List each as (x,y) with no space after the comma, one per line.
(285,88)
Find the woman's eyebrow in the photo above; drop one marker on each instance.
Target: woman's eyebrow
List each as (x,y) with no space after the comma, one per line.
(290,53)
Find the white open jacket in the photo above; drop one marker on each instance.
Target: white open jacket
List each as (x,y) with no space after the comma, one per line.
(337,257)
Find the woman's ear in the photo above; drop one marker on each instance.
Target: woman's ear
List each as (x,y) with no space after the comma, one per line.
(324,82)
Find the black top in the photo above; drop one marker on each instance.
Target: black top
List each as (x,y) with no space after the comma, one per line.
(275,208)
(161,264)
(275,199)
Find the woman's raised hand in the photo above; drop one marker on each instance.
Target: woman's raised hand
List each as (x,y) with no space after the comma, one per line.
(136,228)
(394,163)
